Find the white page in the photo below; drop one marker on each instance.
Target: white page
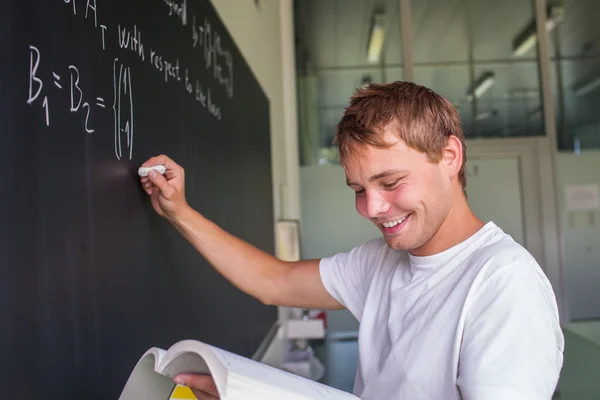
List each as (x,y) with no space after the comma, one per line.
(144,382)
(250,370)
(191,356)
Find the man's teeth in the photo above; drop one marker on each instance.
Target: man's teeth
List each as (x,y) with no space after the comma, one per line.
(391,224)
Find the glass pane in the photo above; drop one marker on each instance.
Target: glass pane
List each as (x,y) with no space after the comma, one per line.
(576,75)
(336,52)
(480,55)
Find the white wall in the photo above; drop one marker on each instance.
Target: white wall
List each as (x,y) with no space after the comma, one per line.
(264,36)
(580,237)
(330,223)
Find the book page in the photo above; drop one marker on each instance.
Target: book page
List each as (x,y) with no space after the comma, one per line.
(251,370)
(144,382)
(194,357)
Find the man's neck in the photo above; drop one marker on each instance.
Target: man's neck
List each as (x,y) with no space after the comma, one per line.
(459,225)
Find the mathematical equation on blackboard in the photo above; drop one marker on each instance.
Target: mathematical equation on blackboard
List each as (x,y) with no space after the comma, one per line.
(89,106)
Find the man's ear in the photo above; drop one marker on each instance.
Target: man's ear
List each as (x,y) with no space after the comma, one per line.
(453,156)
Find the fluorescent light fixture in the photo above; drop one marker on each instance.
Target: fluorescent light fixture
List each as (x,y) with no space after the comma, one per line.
(527,38)
(376,37)
(486,115)
(485,81)
(584,88)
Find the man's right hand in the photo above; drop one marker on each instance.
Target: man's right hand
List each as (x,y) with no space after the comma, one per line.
(167,193)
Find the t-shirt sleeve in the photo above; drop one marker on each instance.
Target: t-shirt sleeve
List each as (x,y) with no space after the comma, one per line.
(512,344)
(347,276)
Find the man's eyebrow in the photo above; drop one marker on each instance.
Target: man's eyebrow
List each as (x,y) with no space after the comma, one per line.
(380,175)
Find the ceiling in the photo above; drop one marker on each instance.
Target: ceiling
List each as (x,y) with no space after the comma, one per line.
(454,41)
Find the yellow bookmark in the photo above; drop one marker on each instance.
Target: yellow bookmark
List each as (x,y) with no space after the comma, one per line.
(182,393)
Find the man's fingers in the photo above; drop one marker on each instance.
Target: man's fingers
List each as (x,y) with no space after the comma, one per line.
(159,181)
(202,383)
(146,184)
(172,169)
(161,160)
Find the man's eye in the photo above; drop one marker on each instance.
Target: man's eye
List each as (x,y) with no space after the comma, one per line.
(360,192)
(391,185)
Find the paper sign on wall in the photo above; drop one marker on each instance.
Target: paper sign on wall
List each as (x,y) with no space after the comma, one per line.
(582,197)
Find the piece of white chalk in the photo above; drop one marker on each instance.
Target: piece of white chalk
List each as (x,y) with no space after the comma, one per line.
(143,171)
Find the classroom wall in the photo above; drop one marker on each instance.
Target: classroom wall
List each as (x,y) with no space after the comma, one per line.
(580,236)
(330,223)
(264,35)
(263,32)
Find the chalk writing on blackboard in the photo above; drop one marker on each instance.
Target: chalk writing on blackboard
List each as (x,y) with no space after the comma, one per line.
(123,109)
(215,57)
(36,85)
(131,40)
(34,64)
(79,94)
(78,99)
(180,10)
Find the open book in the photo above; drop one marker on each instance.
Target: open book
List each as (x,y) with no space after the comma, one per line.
(236,377)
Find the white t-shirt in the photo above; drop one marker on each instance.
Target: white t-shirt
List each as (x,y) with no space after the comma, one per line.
(478,321)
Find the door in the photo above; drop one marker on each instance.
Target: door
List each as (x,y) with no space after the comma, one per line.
(494,190)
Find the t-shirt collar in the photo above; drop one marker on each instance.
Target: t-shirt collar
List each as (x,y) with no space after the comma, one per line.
(443,257)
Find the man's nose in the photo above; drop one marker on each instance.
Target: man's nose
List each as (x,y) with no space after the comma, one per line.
(377,204)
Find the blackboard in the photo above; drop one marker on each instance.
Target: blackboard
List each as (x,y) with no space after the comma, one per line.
(90,276)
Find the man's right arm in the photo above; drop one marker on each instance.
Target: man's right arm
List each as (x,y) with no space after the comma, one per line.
(255,272)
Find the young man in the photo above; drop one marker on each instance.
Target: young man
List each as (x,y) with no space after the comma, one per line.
(449,307)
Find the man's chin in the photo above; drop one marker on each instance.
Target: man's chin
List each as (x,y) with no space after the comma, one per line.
(395,243)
